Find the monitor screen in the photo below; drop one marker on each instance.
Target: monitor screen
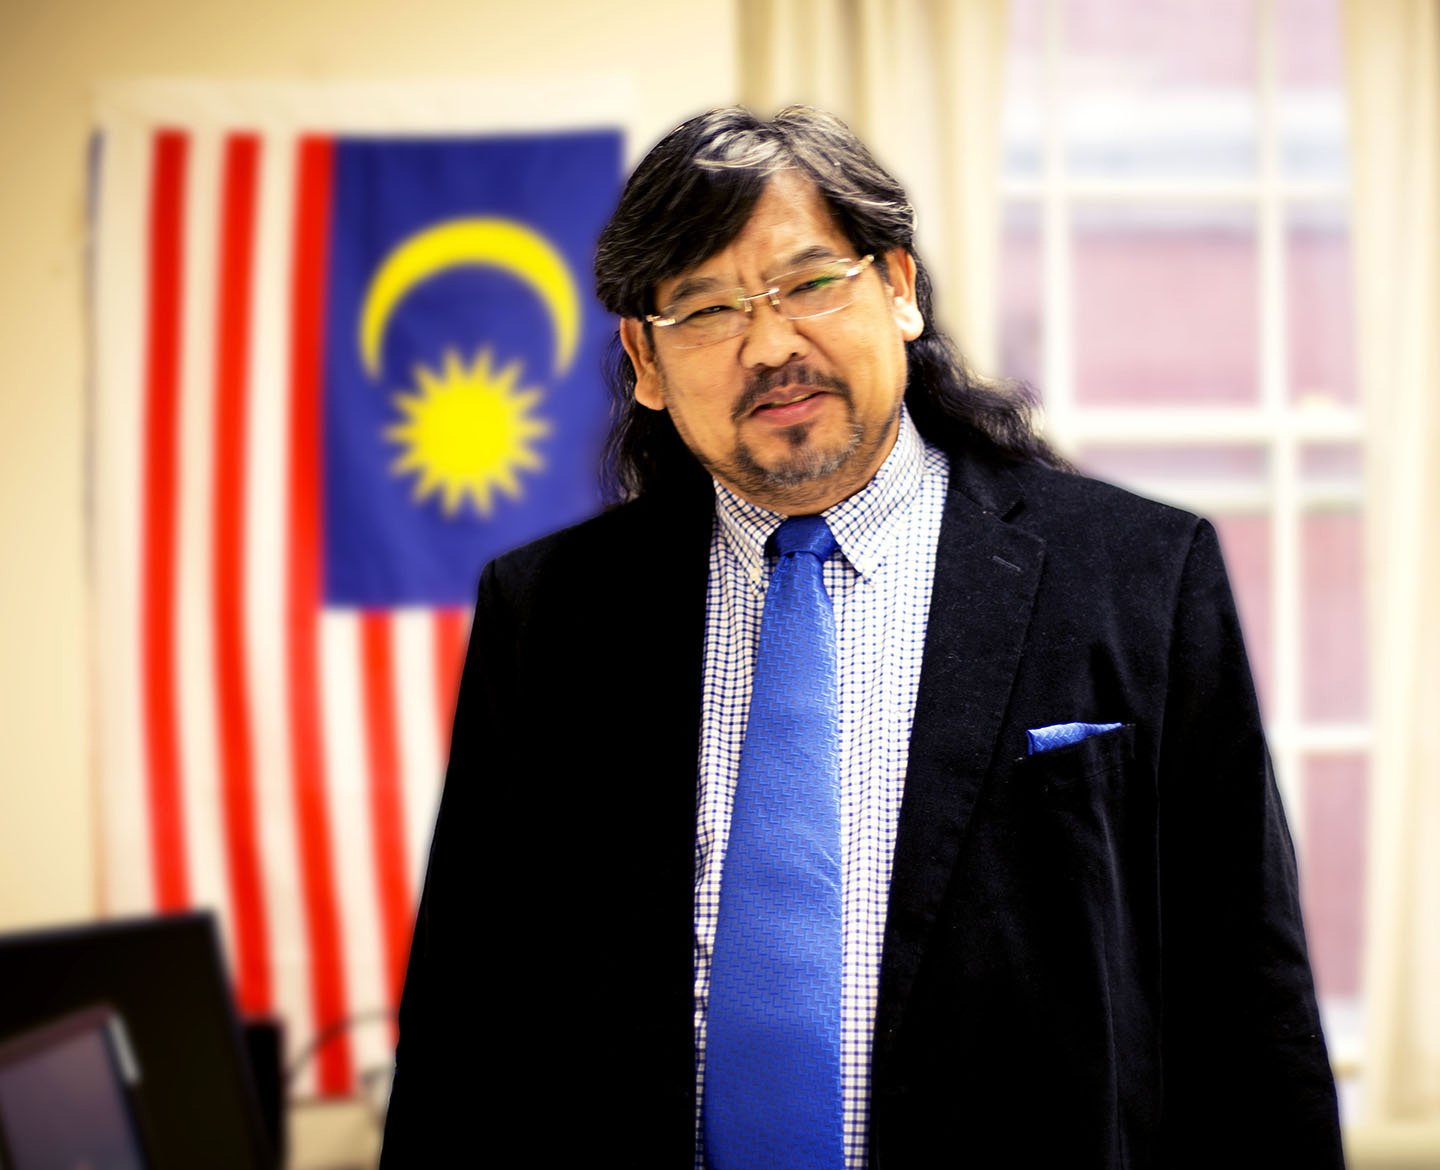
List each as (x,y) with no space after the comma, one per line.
(66,1097)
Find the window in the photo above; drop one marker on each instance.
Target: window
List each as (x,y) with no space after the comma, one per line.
(1176,283)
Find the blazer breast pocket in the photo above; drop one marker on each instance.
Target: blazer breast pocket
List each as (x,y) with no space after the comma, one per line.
(1080,850)
(1101,758)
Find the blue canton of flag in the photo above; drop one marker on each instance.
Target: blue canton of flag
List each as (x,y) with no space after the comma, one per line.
(464,409)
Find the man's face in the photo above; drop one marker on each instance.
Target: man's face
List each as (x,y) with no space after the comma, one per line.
(792,415)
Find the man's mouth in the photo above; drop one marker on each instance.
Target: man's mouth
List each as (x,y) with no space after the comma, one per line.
(781,401)
(775,392)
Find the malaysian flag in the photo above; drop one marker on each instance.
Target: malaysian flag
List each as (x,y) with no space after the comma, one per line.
(345,352)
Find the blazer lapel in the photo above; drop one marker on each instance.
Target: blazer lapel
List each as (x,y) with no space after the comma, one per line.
(986,575)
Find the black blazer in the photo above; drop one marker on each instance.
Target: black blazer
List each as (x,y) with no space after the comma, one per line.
(1093,957)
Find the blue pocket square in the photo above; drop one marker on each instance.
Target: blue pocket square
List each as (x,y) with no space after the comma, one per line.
(1058,735)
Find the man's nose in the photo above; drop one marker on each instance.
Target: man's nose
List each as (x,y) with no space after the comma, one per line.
(771,339)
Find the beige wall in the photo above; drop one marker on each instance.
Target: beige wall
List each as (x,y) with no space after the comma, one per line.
(52,52)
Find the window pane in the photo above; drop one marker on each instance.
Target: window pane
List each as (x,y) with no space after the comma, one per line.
(1245,542)
(1318,287)
(1217,466)
(1310,106)
(1165,305)
(1332,869)
(1335,465)
(1332,652)
(1022,132)
(1160,88)
(1022,309)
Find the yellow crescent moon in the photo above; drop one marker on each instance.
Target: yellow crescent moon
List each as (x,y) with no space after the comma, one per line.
(502,243)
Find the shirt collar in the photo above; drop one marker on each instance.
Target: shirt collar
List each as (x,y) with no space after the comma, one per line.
(862,524)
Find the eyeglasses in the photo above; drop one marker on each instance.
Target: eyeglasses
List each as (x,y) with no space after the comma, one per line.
(704,318)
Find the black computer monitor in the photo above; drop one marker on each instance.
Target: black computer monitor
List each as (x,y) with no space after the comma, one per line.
(164,978)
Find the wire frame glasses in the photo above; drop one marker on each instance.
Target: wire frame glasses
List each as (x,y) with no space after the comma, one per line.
(710,316)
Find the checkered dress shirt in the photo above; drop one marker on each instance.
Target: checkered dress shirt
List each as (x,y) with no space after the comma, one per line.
(879,584)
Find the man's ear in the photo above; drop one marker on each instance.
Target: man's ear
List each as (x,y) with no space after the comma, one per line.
(642,357)
(900,275)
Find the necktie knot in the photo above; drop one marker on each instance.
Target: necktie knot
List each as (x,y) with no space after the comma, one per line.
(805,534)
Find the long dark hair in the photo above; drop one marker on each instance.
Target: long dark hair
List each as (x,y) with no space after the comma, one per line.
(691,196)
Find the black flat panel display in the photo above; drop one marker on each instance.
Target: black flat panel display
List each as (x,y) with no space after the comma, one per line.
(163,976)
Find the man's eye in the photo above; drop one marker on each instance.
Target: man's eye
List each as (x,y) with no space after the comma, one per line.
(815,283)
(704,311)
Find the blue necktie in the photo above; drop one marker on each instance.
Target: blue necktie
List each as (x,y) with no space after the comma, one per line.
(772,1054)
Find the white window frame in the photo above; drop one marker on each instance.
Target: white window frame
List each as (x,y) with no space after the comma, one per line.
(1275,424)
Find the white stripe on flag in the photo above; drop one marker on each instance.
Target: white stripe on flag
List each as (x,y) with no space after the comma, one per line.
(348,775)
(422,713)
(195,617)
(122,231)
(268,507)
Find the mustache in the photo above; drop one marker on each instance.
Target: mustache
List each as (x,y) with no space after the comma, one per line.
(761,382)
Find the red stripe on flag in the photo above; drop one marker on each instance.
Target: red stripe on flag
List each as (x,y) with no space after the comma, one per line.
(158,565)
(317,871)
(377,668)
(232,670)
(449,658)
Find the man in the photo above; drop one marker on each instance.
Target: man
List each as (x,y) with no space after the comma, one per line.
(1086,956)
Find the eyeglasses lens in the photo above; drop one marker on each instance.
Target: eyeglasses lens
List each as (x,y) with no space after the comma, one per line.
(808,292)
